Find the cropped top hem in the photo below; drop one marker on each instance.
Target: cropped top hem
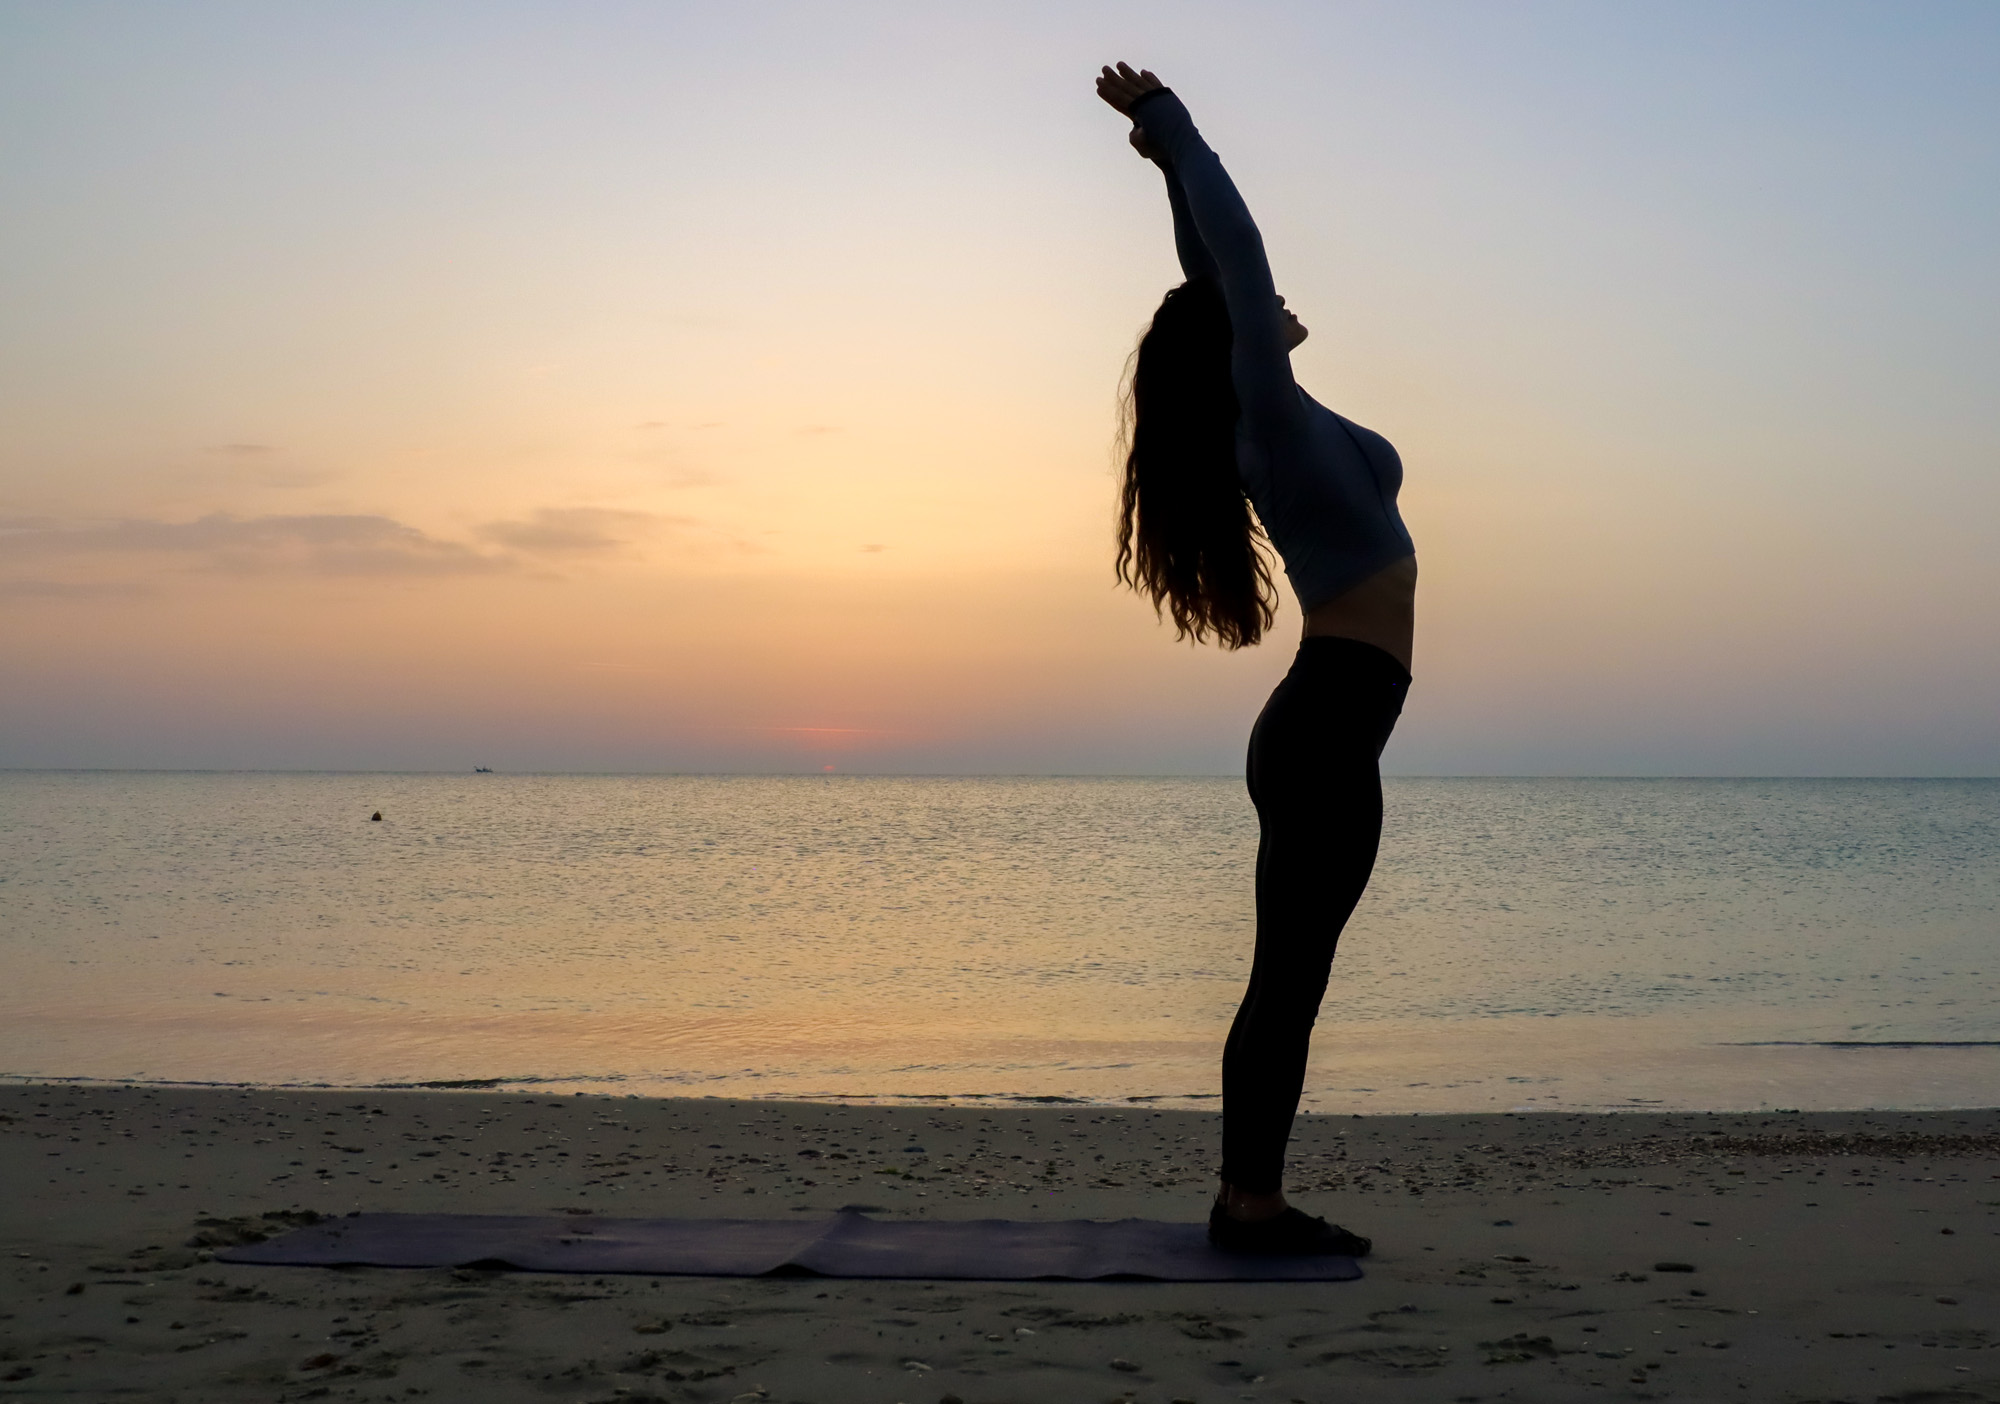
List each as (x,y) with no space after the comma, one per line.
(1334,587)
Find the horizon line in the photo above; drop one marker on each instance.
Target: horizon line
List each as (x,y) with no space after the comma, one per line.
(927,774)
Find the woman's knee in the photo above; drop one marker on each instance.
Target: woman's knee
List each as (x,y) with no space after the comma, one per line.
(1286,1008)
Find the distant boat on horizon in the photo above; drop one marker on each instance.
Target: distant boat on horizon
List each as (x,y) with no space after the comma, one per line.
(482,770)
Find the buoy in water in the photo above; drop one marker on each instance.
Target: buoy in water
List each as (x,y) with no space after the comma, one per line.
(376,817)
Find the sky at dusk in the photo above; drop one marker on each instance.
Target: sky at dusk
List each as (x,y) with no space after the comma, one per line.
(600,386)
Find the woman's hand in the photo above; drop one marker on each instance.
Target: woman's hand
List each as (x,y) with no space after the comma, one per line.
(1121,87)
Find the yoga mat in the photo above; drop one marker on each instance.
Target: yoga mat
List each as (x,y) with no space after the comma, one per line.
(849,1245)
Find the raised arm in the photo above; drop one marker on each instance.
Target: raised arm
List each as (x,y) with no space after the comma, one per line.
(1124,90)
(1229,247)
(1196,261)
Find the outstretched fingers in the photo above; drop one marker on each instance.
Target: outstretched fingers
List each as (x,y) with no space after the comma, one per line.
(1114,89)
(1124,85)
(1142,79)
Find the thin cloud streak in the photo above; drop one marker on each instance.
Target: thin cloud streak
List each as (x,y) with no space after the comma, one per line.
(579,530)
(319,544)
(327,544)
(70,589)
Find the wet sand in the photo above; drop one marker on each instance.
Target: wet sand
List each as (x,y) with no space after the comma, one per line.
(1834,1256)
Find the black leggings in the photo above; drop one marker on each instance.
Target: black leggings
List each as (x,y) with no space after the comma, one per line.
(1315,780)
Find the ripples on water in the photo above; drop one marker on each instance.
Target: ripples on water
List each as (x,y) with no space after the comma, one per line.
(1526,942)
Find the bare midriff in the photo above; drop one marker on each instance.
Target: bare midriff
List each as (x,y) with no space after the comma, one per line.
(1381,610)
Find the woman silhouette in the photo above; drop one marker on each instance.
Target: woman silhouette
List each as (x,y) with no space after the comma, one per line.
(1217,425)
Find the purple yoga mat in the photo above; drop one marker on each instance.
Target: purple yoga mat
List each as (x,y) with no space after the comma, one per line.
(849,1245)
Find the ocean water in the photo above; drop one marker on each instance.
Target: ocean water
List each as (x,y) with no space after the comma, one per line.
(1540,943)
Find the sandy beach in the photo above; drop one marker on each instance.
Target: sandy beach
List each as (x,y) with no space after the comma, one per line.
(1833,1256)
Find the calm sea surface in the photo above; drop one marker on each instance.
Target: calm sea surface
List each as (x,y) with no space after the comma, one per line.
(1526,943)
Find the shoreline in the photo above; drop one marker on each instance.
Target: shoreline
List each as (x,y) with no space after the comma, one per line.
(1517,1252)
(606,1088)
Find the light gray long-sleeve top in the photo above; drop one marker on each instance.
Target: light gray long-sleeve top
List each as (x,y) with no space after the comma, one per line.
(1324,487)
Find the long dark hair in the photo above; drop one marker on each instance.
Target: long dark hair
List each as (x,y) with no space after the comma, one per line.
(1186,537)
